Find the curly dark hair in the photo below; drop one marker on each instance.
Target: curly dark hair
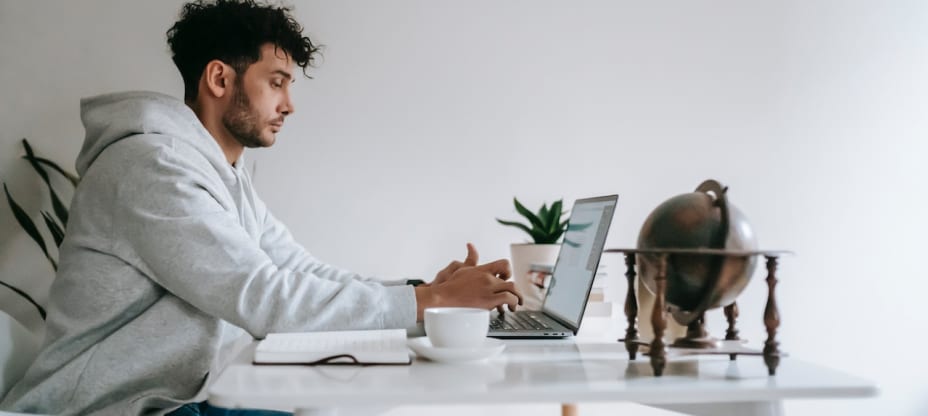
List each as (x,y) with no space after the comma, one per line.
(233,32)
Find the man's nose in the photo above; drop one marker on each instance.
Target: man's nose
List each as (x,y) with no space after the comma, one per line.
(287,106)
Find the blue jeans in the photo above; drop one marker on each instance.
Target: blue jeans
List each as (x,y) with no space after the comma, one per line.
(204,409)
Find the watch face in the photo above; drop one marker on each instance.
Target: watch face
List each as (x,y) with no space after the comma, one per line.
(414,282)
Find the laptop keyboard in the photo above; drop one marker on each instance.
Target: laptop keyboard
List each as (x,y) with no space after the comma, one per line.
(518,321)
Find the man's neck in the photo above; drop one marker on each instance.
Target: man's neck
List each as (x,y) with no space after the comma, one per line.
(213,123)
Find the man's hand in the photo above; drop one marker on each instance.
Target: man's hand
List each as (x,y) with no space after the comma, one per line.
(481,286)
(447,272)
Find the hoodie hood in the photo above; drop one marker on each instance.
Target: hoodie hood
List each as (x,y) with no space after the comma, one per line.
(110,118)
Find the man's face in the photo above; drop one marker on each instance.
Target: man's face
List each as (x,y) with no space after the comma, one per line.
(260,99)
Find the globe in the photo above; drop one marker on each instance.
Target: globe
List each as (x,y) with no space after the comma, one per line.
(703,219)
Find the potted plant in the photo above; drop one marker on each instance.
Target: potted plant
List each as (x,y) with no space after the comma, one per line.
(545,228)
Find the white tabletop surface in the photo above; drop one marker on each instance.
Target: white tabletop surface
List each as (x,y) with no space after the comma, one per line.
(567,371)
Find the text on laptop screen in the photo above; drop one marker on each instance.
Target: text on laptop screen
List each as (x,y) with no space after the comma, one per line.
(578,259)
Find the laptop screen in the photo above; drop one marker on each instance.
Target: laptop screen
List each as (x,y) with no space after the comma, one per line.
(578,259)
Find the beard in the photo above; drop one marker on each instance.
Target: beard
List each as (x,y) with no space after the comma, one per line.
(242,121)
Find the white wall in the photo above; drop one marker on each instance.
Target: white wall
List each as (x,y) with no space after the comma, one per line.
(426,117)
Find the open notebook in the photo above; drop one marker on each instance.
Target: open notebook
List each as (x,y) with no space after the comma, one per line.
(386,346)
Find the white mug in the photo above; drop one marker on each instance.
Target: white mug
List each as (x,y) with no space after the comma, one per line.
(457,327)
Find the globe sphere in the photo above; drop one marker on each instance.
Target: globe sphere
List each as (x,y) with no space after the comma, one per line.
(703,219)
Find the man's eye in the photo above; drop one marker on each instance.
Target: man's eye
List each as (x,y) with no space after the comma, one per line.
(277,84)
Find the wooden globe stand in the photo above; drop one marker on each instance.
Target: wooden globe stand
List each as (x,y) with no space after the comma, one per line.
(696,336)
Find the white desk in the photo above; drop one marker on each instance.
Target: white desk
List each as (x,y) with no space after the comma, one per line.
(563,371)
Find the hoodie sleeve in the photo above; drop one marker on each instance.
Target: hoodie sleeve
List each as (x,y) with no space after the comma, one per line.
(171,223)
(279,244)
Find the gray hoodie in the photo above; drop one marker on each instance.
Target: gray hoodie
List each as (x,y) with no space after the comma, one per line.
(169,255)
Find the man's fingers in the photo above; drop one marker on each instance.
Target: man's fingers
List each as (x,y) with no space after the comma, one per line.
(505,298)
(472,255)
(497,268)
(509,287)
(510,306)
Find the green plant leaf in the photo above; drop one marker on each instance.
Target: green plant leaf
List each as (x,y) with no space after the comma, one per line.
(529,215)
(70,176)
(27,297)
(554,216)
(27,225)
(552,226)
(561,229)
(61,211)
(543,216)
(541,238)
(536,236)
(53,228)
(30,156)
(520,226)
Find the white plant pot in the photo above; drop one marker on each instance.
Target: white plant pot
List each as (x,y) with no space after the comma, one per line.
(522,256)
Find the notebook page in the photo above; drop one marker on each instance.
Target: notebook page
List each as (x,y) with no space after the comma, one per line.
(364,347)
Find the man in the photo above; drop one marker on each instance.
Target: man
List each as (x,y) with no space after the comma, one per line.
(171,259)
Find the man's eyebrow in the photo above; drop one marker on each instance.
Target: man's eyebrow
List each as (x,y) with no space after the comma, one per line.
(283,73)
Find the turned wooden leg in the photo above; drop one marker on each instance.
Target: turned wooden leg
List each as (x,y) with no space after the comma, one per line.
(658,321)
(569,409)
(771,319)
(731,313)
(631,308)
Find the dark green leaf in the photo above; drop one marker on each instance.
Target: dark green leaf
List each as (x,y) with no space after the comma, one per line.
(70,176)
(515,224)
(540,238)
(539,235)
(536,236)
(543,216)
(532,218)
(61,211)
(27,297)
(556,222)
(554,216)
(25,222)
(561,229)
(53,228)
(30,156)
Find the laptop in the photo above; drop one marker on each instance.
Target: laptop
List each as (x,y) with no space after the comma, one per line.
(572,280)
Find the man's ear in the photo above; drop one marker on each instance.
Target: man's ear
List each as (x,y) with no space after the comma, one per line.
(218,77)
